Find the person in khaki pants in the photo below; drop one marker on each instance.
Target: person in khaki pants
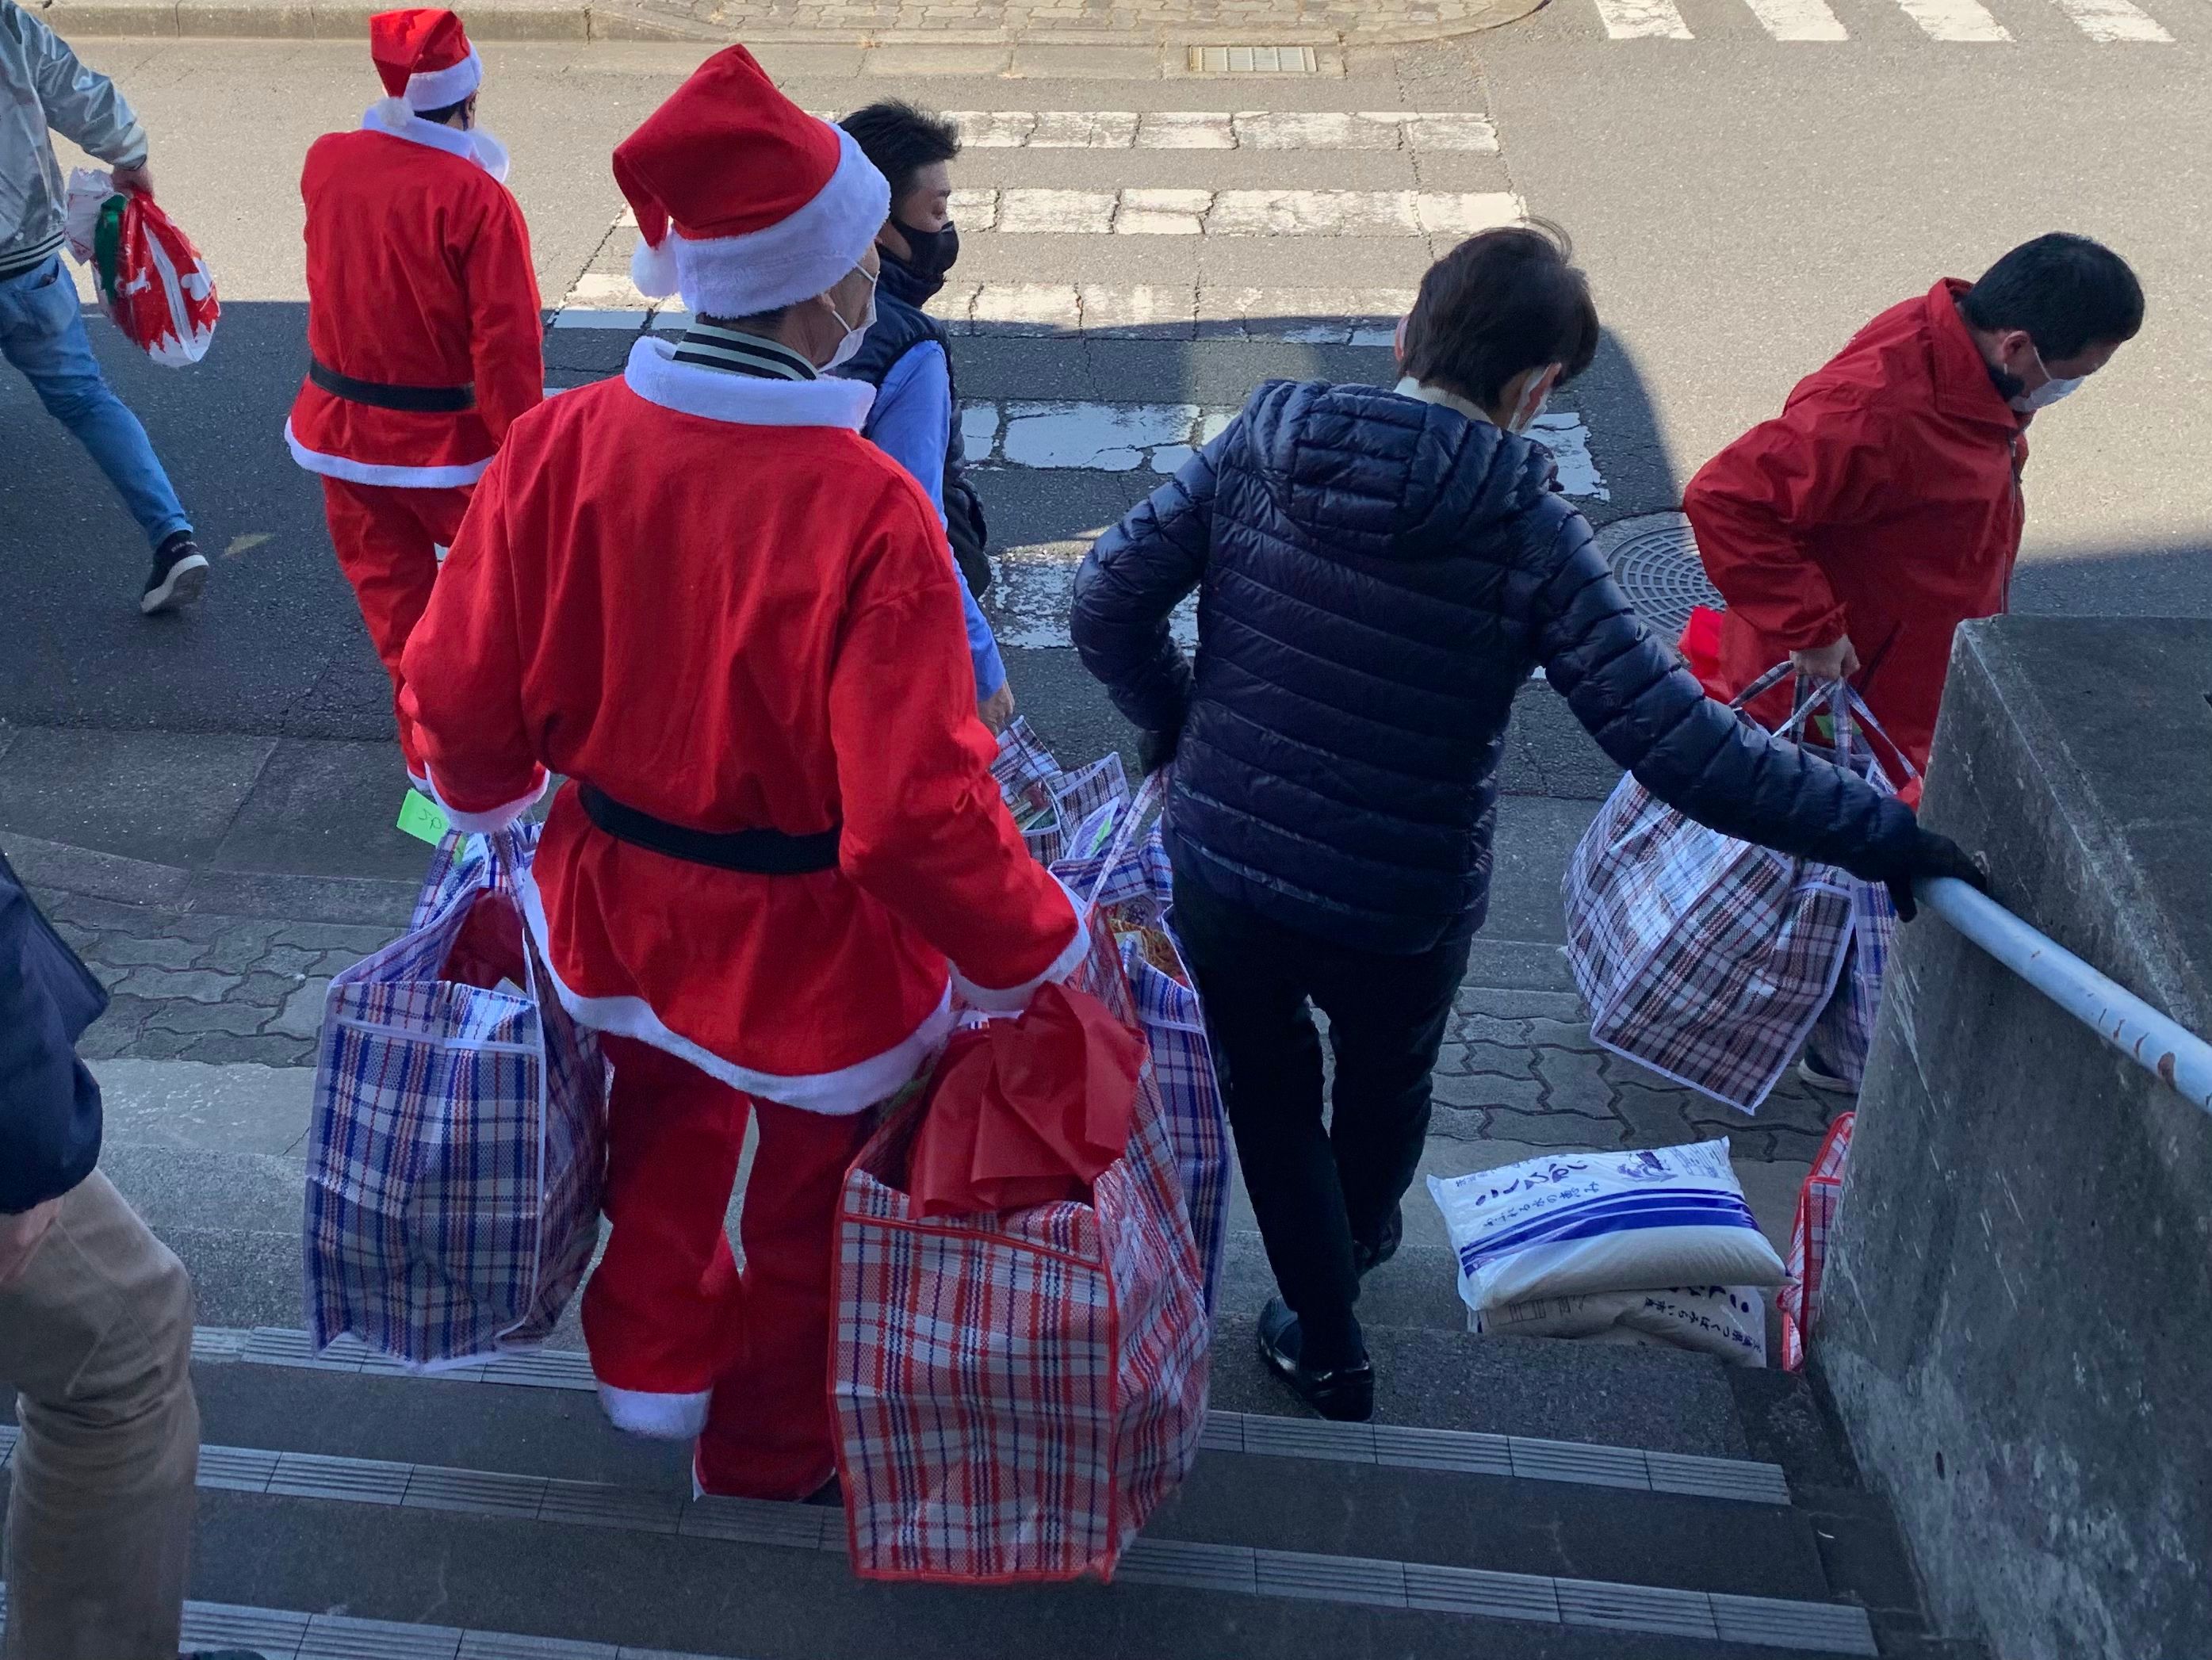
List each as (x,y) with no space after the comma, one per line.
(95,1335)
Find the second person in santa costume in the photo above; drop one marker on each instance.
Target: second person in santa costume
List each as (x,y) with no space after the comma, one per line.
(422,325)
(730,621)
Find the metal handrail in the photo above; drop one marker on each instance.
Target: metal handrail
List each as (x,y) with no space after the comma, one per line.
(2169,1051)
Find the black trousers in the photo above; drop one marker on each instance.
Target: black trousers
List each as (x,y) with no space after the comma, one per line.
(1316,1188)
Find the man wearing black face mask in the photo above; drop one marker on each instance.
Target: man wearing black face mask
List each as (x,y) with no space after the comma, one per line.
(916,416)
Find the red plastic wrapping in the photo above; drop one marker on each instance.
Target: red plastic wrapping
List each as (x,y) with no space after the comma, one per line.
(1027,1111)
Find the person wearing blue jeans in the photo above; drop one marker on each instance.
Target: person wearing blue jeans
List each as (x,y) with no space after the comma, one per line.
(43,86)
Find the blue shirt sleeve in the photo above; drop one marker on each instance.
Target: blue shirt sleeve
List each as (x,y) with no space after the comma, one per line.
(911,423)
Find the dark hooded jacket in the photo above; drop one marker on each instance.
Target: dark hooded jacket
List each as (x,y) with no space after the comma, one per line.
(1377,576)
(49,1103)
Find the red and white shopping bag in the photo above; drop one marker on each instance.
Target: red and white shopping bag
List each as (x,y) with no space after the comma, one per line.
(1016,1393)
(1799,1299)
(151,280)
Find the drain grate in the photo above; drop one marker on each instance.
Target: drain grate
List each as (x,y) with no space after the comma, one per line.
(1254,60)
(1655,559)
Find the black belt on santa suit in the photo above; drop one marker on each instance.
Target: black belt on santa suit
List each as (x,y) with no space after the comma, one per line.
(756,852)
(380,395)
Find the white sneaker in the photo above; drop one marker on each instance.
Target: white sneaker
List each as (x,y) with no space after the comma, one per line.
(1816,1077)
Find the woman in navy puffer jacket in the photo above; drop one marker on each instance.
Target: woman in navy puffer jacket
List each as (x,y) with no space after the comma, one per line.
(1377,573)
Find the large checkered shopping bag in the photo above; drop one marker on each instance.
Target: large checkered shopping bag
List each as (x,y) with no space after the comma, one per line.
(150,279)
(1016,1394)
(1799,1299)
(1046,802)
(454,1162)
(1118,860)
(1706,959)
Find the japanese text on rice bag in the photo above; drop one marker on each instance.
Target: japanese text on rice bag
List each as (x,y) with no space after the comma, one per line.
(1577,1223)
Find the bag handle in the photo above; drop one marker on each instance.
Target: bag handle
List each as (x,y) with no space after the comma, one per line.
(1848,708)
(1141,807)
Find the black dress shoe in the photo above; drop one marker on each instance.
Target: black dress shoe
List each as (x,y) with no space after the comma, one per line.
(1344,1393)
(1365,1259)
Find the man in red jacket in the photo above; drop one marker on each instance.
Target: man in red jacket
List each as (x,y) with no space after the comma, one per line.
(1853,533)
(729,620)
(423,323)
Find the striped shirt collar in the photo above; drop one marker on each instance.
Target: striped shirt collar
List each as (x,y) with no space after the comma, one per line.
(712,348)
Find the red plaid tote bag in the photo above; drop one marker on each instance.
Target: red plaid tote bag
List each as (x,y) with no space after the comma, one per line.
(1799,1299)
(1706,959)
(1016,1394)
(455,1161)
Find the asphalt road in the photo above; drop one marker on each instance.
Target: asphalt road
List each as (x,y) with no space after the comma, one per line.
(1743,204)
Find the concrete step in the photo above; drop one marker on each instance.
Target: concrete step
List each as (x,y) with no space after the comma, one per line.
(1523,1505)
(388,1539)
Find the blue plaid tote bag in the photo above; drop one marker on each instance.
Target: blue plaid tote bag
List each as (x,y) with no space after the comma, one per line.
(1705,959)
(454,1162)
(1118,859)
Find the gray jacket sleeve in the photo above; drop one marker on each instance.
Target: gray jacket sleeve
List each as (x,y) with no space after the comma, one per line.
(80,104)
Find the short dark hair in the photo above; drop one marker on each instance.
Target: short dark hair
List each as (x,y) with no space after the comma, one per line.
(1500,302)
(901,140)
(2068,292)
(447,113)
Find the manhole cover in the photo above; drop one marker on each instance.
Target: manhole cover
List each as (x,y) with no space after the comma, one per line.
(1656,559)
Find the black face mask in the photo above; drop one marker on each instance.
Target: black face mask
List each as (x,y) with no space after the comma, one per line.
(931,253)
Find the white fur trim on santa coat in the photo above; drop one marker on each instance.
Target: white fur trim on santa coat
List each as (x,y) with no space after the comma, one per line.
(394,119)
(779,264)
(1013,999)
(434,89)
(836,1094)
(662,1417)
(494,818)
(747,400)
(375,472)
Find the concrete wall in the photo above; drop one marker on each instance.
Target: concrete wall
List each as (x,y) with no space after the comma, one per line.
(2017,1324)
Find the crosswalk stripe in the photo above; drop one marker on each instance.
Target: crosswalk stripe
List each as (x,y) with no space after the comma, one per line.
(1021,210)
(1643,20)
(1964,20)
(2110,22)
(1225,130)
(1314,317)
(1798,20)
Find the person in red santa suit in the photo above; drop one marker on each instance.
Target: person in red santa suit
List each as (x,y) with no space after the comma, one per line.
(728,619)
(423,323)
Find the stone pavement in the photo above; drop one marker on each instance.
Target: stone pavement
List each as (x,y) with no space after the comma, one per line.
(186,985)
(1520,1066)
(1087,38)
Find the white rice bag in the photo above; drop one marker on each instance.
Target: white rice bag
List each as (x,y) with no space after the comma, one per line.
(1729,1321)
(1576,1223)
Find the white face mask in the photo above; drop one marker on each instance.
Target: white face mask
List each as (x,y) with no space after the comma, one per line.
(2050,390)
(855,332)
(1529,412)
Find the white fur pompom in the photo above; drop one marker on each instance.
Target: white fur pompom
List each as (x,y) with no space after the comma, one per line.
(653,270)
(393,113)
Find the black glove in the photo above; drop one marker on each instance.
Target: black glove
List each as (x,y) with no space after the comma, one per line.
(1931,855)
(1155,749)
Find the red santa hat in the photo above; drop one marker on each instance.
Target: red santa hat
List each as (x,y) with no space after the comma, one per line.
(744,202)
(423,57)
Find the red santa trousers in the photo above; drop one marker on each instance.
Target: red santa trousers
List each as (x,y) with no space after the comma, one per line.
(668,1316)
(387,540)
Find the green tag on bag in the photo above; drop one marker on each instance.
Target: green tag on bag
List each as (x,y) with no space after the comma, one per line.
(107,241)
(422,818)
